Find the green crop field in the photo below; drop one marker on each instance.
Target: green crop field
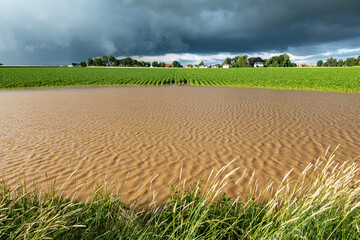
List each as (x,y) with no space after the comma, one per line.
(324,79)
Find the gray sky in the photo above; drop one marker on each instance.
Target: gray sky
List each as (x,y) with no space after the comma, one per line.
(63,31)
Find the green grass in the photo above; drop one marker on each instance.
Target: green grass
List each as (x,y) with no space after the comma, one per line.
(326,207)
(324,79)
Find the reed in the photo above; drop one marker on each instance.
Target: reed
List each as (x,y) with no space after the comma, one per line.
(322,203)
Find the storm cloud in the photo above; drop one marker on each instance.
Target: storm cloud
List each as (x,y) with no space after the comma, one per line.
(59,32)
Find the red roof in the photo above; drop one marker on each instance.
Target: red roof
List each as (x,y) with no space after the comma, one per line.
(168,65)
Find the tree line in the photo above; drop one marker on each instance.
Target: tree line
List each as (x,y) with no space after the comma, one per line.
(282,60)
(108,60)
(333,62)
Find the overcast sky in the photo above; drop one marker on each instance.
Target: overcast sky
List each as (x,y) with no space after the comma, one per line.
(62,31)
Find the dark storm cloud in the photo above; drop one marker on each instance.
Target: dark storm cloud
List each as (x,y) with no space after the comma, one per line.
(57,32)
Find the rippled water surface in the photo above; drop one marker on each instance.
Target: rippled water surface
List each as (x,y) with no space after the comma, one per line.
(131,133)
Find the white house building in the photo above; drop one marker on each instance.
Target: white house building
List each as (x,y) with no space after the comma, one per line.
(226,66)
(74,65)
(259,64)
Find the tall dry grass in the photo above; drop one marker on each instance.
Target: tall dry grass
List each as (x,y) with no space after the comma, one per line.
(322,203)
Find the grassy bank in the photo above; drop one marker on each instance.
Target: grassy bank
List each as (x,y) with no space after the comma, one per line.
(326,207)
(324,79)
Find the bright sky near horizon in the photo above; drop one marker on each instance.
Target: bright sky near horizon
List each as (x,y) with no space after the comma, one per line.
(59,32)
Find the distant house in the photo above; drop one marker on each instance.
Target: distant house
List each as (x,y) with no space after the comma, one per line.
(168,65)
(217,66)
(189,66)
(303,65)
(203,66)
(74,65)
(226,66)
(259,64)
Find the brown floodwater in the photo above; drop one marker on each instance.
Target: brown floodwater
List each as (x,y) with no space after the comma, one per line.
(127,134)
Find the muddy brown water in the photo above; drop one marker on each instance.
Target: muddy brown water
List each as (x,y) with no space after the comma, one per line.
(125,134)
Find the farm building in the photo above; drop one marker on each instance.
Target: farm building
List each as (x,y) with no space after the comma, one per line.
(74,65)
(226,66)
(168,65)
(217,66)
(259,64)
(303,65)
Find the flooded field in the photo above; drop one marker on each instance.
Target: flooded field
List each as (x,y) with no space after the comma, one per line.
(123,134)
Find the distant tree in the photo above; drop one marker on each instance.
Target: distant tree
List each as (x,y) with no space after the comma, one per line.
(201,63)
(176,64)
(155,64)
(251,62)
(275,59)
(90,62)
(340,63)
(227,61)
(351,62)
(116,63)
(141,63)
(330,62)
(348,62)
(240,61)
(135,62)
(112,60)
(286,62)
(282,58)
(268,63)
(106,60)
(127,62)
(162,64)
(355,62)
(243,61)
(319,63)
(99,62)
(1,64)
(83,64)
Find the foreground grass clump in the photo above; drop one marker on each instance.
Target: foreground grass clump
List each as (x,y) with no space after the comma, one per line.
(325,79)
(323,203)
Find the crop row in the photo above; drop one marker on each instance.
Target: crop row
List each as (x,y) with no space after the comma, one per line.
(329,79)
